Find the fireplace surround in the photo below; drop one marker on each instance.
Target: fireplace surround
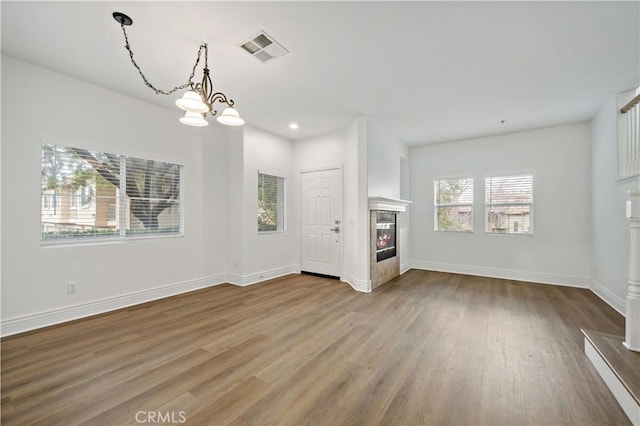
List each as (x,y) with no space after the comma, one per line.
(384,245)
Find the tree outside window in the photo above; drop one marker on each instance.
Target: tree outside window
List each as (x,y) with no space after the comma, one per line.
(453,203)
(118,195)
(271,203)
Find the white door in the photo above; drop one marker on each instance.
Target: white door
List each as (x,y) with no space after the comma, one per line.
(321,221)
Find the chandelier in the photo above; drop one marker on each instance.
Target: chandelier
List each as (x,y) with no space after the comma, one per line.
(200,98)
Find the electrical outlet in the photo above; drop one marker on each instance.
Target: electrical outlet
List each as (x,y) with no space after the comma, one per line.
(72,287)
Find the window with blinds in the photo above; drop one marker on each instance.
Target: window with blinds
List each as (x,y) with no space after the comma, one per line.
(271,203)
(453,204)
(509,204)
(90,194)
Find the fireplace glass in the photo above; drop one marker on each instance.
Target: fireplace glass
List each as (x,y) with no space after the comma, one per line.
(385,235)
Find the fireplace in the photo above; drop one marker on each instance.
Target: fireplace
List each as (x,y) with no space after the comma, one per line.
(385,238)
(385,235)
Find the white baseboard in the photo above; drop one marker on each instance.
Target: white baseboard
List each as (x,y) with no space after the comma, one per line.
(57,316)
(611,299)
(404,267)
(254,278)
(363,286)
(534,277)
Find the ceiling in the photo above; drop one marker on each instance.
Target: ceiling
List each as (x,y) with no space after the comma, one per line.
(430,71)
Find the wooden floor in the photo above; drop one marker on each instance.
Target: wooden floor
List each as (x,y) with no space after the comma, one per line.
(428,348)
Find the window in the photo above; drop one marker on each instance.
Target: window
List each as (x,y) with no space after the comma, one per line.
(508,204)
(271,202)
(453,203)
(118,195)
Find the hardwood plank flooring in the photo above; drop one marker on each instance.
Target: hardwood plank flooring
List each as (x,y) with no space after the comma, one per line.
(427,348)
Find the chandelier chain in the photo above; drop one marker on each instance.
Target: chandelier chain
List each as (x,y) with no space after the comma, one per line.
(189,83)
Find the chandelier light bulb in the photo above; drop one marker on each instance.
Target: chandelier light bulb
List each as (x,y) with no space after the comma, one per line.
(193,119)
(191,101)
(230,117)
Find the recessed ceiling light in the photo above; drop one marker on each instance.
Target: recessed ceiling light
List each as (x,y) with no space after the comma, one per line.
(293,126)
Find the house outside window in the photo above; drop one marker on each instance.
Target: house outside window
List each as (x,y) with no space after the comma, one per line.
(104,195)
(453,204)
(271,203)
(509,204)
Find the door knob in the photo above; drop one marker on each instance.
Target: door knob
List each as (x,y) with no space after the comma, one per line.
(336,229)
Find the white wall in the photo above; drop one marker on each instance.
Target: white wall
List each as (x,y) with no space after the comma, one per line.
(559,251)
(316,153)
(346,149)
(388,176)
(54,108)
(610,228)
(320,152)
(356,239)
(384,154)
(266,255)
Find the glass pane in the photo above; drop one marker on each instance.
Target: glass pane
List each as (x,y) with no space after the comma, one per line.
(77,190)
(153,197)
(270,203)
(509,189)
(455,219)
(509,219)
(454,191)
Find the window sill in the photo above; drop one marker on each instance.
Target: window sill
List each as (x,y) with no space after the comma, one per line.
(272,233)
(102,241)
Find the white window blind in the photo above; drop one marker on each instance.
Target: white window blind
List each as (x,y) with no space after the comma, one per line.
(153,197)
(89,194)
(453,204)
(271,203)
(508,204)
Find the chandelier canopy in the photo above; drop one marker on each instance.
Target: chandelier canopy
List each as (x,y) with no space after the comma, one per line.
(200,98)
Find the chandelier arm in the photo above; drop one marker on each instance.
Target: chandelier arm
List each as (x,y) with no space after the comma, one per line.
(220,97)
(144,78)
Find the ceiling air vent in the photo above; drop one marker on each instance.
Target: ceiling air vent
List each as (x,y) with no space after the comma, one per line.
(263,47)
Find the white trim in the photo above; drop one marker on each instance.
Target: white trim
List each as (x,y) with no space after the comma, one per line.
(321,169)
(404,267)
(388,204)
(60,315)
(257,277)
(363,286)
(629,405)
(607,296)
(534,277)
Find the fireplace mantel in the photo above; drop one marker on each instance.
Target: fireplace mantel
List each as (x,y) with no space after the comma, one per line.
(388,204)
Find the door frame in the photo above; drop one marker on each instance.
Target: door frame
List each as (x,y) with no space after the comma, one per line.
(340,169)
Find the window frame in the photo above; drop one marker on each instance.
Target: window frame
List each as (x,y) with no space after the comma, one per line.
(488,205)
(437,206)
(122,231)
(281,225)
